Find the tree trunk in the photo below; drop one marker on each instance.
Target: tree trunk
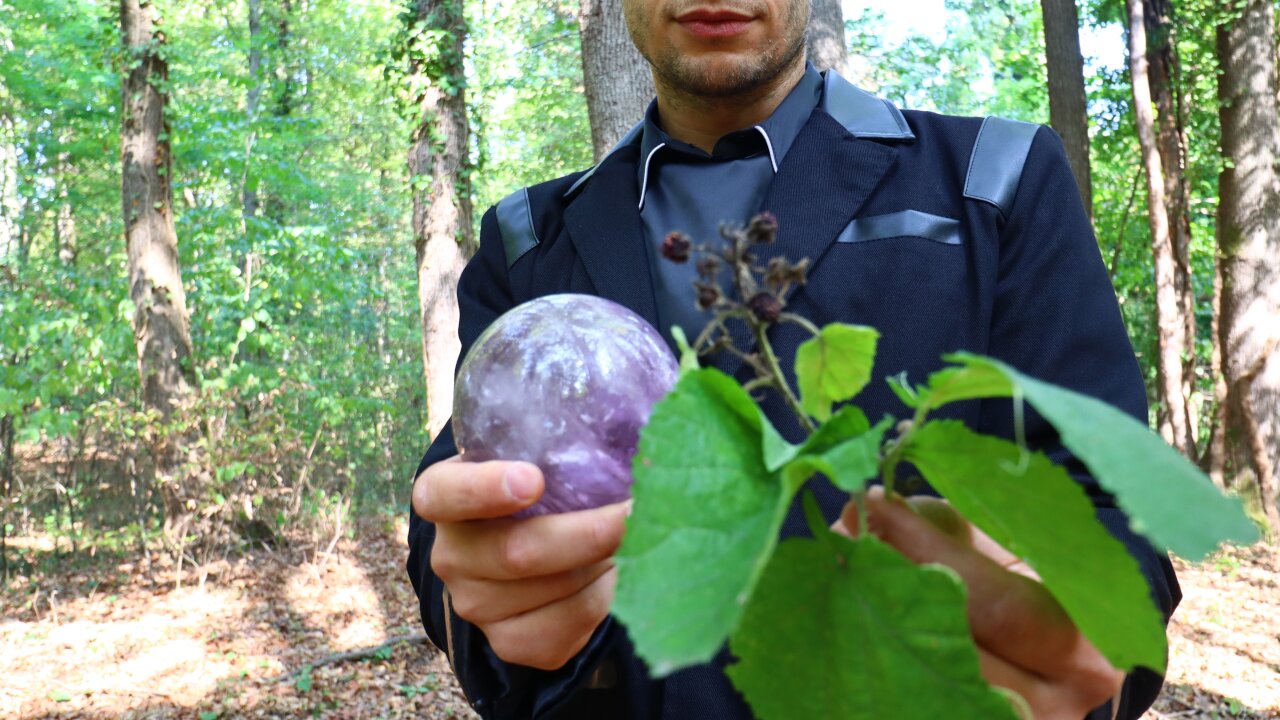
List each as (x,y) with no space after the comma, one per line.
(249,191)
(64,225)
(1171,140)
(618,82)
(1170,331)
(1067,111)
(440,177)
(160,321)
(283,102)
(827,46)
(1248,245)
(9,231)
(284,69)
(6,487)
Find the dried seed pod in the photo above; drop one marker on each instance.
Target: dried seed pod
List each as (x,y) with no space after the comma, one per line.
(765,306)
(708,294)
(676,246)
(763,229)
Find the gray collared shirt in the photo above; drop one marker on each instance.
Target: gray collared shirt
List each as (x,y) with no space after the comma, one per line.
(684,188)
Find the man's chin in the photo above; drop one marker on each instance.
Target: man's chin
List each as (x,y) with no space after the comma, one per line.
(719,76)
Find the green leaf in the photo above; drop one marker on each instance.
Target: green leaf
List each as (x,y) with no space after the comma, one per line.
(60,696)
(705,520)
(902,388)
(304,682)
(849,464)
(848,422)
(834,366)
(965,383)
(1166,497)
(850,629)
(1035,510)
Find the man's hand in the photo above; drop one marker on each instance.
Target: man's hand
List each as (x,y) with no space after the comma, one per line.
(538,587)
(1026,642)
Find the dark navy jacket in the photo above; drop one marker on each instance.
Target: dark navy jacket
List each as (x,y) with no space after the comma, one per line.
(944,233)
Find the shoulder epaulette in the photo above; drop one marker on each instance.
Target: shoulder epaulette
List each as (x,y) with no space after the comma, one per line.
(515,222)
(999,155)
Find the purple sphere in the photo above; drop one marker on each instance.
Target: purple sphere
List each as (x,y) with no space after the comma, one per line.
(565,382)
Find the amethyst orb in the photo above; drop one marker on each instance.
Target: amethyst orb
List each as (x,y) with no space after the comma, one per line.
(565,382)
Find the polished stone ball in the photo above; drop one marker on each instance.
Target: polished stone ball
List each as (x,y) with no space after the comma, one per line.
(565,382)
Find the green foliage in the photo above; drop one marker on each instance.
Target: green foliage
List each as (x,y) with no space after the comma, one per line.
(1124,457)
(700,562)
(310,378)
(723,505)
(1036,511)
(834,366)
(528,106)
(991,61)
(891,630)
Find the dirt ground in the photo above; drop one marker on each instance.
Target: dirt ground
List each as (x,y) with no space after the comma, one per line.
(116,639)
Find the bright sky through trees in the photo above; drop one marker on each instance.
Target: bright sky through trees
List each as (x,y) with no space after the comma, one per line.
(1103,47)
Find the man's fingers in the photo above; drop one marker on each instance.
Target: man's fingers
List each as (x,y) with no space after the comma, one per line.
(528,548)
(1040,698)
(1009,614)
(548,637)
(457,491)
(487,601)
(1030,689)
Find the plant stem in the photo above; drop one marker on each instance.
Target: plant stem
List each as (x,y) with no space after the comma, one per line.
(802,321)
(780,380)
(889,466)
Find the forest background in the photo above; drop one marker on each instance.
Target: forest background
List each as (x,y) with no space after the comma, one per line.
(229,232)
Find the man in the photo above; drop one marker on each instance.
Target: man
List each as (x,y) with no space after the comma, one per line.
(945,233)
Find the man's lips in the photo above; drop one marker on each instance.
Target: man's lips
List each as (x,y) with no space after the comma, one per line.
(714,23)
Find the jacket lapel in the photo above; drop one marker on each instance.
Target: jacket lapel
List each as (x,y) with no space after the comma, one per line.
(823,181)
(604,226)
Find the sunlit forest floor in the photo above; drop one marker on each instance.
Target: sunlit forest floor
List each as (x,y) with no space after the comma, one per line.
(111,637)
(114,639)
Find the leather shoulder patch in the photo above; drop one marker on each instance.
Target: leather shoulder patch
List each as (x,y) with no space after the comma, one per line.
(999,155)
(515,222)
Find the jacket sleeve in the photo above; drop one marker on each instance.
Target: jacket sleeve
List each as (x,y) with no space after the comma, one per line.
(494,688)
(1056,318)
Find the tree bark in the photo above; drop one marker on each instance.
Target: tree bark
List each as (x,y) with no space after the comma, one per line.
(1172,144)
(1248,245)
(6,487)
(827,48)
(253,99)
(160,321)
(1067,110)
(440,176)
(1170,330)
(284,100)
(9,230)
(617,80)
(64,225)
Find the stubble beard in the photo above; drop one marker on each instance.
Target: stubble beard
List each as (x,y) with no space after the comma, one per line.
(691,77)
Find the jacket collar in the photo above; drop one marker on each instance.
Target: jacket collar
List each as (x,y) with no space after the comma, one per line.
(862,114)
(859,112)
(835,163)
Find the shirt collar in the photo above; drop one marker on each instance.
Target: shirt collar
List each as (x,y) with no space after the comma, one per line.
(778,131)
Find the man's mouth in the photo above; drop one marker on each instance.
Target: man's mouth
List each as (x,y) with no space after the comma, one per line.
(714,24)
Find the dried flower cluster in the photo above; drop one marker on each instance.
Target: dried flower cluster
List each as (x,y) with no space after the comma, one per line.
(734,283)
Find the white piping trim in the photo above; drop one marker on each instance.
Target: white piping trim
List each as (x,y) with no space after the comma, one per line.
(769,144)
(644,183)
